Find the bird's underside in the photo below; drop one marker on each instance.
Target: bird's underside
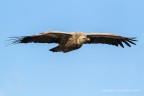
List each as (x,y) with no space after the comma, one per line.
(71,41)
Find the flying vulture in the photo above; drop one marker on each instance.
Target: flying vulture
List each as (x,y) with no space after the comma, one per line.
(71,41)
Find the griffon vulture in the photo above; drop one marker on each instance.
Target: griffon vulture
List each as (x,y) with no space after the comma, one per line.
(71,41)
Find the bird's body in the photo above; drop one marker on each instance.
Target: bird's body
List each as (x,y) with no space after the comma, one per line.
(72,41)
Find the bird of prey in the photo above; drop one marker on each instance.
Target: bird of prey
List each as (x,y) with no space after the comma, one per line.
(71,41)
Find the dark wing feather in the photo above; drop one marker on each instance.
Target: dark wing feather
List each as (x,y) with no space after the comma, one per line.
(110,39)
(46,37)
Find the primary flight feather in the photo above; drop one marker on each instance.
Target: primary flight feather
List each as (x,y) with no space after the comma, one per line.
(71,41)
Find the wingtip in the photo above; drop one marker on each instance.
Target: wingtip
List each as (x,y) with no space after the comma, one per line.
(14,40)
(133,39)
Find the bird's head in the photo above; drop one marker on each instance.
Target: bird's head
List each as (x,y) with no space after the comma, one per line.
(82,39)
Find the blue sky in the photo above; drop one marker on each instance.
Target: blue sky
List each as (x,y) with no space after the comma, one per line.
(94,70)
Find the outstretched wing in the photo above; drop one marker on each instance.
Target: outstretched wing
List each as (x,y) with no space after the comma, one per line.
(111,39)
(46,37)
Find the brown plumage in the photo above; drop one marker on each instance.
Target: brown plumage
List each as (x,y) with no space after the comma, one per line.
(72,41)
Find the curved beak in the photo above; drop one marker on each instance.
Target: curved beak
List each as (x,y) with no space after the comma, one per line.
(88,39)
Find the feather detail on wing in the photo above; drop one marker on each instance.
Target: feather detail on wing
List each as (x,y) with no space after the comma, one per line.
(110,39)
(46,37)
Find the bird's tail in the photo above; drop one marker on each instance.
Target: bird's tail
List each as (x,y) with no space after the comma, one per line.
(56,49)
